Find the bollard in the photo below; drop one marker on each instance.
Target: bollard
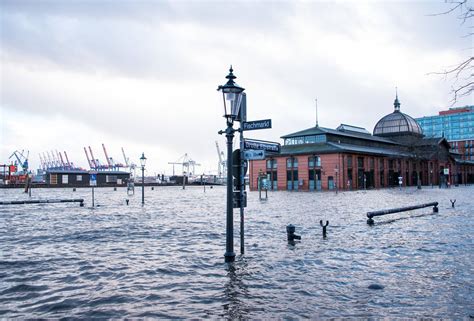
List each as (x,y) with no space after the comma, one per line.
(152,188)
(81,204)
(324,227)
(126,201)
(74,189)
(435,209)
(290,231)
(115,188)
(452,203)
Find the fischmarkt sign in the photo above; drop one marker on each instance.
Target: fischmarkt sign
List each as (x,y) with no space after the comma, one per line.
(257,124)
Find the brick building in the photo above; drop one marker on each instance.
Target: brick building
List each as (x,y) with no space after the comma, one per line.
(349,157)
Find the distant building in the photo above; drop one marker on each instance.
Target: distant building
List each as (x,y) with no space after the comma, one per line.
(349,157)
(454,124)
(81,178)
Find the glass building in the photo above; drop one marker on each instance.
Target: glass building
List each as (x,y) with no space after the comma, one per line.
(454,124)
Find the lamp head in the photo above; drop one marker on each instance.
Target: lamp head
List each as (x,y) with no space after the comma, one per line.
(232,96)
(143,160)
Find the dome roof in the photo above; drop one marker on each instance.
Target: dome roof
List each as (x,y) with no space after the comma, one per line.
(397,123)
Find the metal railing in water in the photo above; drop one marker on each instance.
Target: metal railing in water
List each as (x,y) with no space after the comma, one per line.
(370,215)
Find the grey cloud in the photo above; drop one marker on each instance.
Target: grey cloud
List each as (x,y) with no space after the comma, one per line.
(127,38)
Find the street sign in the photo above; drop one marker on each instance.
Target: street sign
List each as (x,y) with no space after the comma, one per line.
(261,145)
(253,154)
(257,124)
(93,180)
(446,171)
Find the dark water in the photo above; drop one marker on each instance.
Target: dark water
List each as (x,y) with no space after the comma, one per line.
(165,260)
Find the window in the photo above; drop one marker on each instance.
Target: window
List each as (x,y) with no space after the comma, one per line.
(292,162)
(314,161)
(110,178)
(272,173)
(53,179)
(292,173)
(269,163)
(360,162)
(349,161)
(79,178)
(65,179)
(311,139)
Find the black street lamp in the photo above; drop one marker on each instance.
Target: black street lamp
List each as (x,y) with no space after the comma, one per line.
(143,162)
(232,96)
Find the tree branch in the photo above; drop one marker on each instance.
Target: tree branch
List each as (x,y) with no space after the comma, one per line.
(459,4)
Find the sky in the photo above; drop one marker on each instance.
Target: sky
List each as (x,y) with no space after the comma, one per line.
(143,75)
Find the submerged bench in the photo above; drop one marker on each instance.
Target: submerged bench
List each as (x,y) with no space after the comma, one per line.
(370,215)
(75,200)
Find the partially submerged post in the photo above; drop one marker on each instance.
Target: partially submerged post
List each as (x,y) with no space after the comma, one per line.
(290,232)
(92,183)
(324,227)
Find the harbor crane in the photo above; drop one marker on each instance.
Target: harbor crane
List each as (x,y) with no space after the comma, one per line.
(95,164)
(69,164)
(89,161)
(222,165)
(129,164)
(110,161)
(21,159)
(186,162)
(42,162)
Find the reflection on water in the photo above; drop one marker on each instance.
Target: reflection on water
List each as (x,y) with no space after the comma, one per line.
(165,260)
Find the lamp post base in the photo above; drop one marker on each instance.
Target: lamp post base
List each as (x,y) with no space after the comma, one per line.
(229,257)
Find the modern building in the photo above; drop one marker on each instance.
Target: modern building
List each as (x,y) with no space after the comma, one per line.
(454,124)
(349,157)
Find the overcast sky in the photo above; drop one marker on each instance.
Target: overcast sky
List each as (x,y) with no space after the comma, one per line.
(142,75)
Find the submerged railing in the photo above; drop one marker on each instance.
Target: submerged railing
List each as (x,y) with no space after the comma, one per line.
(75,200)
(370,215)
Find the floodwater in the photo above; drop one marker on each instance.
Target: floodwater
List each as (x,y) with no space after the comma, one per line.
(165,260)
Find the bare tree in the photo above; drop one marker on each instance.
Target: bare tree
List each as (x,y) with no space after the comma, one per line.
(461,74)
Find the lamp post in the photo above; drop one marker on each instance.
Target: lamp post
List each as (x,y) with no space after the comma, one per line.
(232,97)
(143,162)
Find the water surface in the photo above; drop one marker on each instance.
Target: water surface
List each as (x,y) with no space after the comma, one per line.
(165,259)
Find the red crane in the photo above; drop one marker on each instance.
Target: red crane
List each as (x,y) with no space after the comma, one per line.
(88,159)
(94,161)
(109,161)
(67,160)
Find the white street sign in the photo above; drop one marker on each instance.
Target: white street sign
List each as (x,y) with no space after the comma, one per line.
(253,154)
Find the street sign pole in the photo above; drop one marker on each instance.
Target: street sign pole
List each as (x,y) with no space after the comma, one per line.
(92,183)
(243,118)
